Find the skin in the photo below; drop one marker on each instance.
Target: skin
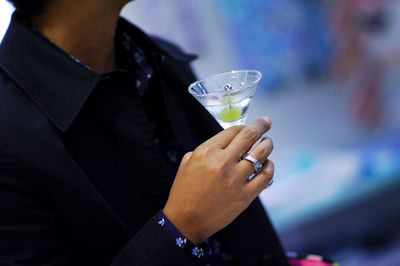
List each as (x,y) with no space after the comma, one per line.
(211,187)
(83,28)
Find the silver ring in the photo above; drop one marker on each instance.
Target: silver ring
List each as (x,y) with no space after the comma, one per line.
(256,164)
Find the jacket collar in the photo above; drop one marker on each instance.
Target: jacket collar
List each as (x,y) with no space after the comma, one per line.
(55,81)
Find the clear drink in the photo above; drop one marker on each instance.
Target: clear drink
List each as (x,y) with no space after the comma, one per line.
(227,96)
(228,116)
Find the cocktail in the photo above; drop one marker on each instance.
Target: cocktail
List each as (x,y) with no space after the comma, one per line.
(227,96)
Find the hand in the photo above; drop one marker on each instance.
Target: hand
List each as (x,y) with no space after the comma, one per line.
(212,185)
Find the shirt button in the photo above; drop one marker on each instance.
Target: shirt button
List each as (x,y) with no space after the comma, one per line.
(138,83)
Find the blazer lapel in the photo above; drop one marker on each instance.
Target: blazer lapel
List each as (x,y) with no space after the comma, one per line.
(191,122)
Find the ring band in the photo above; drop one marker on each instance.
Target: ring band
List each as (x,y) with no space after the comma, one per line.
(256,164)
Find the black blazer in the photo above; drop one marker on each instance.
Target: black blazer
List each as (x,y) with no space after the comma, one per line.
(51,211)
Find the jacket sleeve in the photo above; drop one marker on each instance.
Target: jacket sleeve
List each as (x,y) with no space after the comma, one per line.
(30,232)
(151,246)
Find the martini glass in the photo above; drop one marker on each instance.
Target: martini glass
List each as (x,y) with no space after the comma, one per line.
(227,96)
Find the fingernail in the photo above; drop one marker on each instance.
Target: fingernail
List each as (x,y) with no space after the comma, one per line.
(270,184)
(269,121)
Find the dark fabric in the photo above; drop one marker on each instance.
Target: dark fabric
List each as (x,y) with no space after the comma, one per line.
(198,253)
(151,238)
(81,172)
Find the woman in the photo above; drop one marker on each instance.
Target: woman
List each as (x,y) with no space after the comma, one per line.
(95,121)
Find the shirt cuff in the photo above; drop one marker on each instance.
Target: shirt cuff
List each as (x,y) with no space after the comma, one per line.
(201,252)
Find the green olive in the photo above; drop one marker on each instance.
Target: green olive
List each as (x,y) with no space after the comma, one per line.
(230,114)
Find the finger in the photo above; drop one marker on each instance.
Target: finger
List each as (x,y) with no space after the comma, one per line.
(186,157)
(224,138)
(247,137)
(260,153)
(261,181)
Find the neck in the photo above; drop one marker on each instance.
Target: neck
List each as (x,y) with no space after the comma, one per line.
(87,32)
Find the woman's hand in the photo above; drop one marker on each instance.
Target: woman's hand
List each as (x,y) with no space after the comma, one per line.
(212,185)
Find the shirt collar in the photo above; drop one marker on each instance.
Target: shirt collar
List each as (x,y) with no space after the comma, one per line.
(58,83)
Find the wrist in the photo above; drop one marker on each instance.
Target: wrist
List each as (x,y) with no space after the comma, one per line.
(197,252)
(189,227)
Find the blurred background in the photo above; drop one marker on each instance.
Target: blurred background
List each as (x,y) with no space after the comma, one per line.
(331,73)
